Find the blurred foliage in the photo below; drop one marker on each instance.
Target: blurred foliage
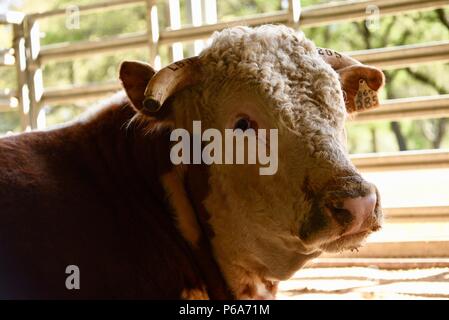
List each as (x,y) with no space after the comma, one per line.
(410,28)
(228,10)
(61,114)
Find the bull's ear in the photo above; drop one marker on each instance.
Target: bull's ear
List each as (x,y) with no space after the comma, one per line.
(135,76)
(361,84)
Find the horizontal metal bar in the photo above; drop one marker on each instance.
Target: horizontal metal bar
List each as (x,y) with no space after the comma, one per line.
(417,212)
(7,57)
(84,9)
(381,263)
(336,8)
(396,57)
(407,108)
(404,160)
(62,51)
(325,14)
(205,31)
(310,16)
(80,92)
(67,50)
(11,17)
(404,56)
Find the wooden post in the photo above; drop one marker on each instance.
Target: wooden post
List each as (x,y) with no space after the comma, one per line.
(33,69)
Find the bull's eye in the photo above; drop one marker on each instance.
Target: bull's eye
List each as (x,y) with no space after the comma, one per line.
(242,123)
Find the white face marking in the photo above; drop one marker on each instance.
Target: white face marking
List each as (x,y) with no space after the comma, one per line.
(277,79)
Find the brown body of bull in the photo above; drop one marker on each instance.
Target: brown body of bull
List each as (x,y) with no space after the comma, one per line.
(89,195)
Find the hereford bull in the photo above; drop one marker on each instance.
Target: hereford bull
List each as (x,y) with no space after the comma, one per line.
(102,194)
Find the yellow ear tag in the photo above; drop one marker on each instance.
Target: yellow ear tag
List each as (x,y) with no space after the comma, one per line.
(366,97)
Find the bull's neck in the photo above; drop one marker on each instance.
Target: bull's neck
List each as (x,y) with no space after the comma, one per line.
(142,157)
(129,155)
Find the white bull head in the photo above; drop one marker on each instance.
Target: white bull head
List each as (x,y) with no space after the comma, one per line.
(264,228)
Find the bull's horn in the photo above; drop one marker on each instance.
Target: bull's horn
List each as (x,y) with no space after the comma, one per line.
(360,83)
(170,80)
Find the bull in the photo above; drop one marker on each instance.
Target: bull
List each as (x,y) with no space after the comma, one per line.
(102,194)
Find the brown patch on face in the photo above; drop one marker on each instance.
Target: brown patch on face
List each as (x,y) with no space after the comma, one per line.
(309,195)
(315,221)
(343,216)
(197,188)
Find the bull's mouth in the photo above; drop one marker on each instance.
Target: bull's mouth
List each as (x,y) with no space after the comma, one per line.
(344,239)
(351,241)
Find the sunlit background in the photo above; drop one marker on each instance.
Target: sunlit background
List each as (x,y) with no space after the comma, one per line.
(419,232)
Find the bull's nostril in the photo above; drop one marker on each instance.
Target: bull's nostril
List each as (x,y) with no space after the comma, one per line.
(362,212)
(340,214)
(353,214)
(361,207)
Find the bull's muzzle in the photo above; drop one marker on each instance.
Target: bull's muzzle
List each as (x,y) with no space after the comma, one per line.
(356,215)
(355,207)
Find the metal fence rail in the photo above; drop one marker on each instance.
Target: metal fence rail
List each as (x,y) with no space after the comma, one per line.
(66,51)
(404,160)
(411,108)
(404,56)
(87,8)
(417,212)
(73,93)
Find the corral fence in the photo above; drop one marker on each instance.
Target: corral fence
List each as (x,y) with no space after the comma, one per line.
(28,57)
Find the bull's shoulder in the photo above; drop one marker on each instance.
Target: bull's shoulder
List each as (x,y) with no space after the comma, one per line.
(18,158)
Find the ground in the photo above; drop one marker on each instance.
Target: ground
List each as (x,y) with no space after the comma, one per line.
(367,283)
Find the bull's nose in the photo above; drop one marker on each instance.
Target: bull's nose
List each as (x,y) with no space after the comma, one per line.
(354,212)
